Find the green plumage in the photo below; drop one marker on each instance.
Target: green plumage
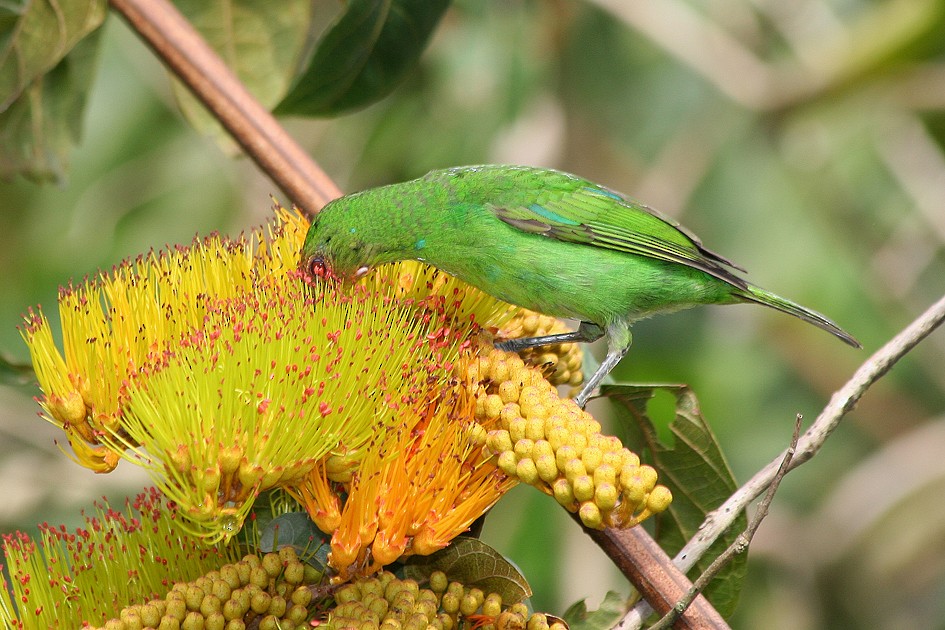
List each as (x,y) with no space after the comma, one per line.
(541,239)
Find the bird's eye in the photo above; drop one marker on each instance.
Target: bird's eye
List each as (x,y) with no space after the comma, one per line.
(317,267)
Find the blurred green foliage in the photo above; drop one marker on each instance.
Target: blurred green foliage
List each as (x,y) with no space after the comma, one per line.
(805,143)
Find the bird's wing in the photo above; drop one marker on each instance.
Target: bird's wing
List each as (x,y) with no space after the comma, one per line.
(585,213)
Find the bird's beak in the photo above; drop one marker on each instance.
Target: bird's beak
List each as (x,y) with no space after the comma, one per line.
(360,272)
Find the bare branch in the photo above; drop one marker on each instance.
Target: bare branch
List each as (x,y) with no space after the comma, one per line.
(809,444)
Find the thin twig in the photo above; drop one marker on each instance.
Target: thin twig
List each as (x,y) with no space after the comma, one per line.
(808,445)
(192,60)
(741,542)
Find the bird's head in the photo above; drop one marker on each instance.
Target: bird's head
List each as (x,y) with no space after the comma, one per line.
(334,248)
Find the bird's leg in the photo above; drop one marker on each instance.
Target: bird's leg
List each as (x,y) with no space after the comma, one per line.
(618,343)
(586,332)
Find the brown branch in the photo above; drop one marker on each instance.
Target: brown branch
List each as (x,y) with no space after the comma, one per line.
(653,574)
(192,60)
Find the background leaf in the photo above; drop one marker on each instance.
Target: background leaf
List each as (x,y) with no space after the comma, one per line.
(296,530)
(40,127)
(262,42)
(16,374)
(35,36)
(474,563)
(694,468)
(363,56)
(611,609)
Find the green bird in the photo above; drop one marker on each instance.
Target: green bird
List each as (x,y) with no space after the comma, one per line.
(541,239)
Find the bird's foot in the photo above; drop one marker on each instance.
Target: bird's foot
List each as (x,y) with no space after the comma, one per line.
(584,395)
(586,332)
(592,386)
(524,343)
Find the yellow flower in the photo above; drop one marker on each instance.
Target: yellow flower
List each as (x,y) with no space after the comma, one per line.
(222,373)
(119,323)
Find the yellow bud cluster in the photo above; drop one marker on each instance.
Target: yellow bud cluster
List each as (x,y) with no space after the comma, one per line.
(389,603)
(268,592)
(560,363)
(554,445)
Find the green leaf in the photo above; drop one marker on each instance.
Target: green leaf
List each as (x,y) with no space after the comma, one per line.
(41,126)
(296,529)
(35,36)
(263,43)
(474,563)
(694,469)
(614,606)
(365,54)
(16,374)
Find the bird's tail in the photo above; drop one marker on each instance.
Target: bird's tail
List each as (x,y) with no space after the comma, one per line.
(766,298)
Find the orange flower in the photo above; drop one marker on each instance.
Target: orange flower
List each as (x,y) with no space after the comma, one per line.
(419,485)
